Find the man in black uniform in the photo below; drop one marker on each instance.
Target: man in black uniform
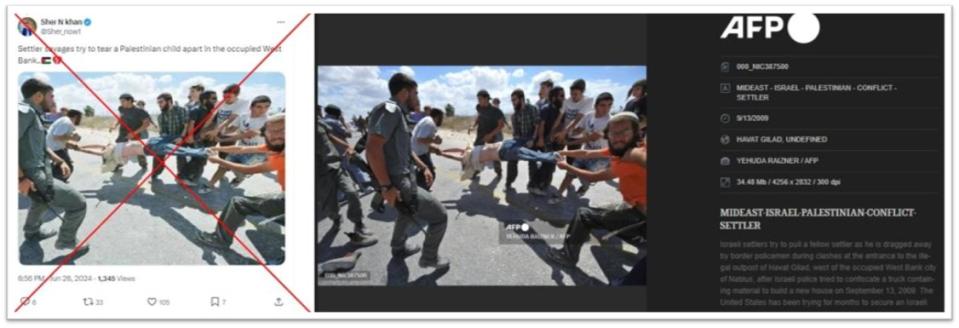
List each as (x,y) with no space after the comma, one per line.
(36,172)
(389,142)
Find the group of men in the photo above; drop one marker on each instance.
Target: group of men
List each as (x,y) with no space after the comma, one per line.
(237,122)
(554,123)
(250,142)
(577,135)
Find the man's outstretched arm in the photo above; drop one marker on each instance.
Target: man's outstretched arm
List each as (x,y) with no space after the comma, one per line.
(240,168)
(237,149)
(588,176)
(455,154)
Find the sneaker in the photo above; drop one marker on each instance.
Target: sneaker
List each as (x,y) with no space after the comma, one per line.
(559,256)
(360,240)
(406,251)
(582,190)
(40,235)
(211,239)
(70,246)
(438,263)
(203,189)
(361,229)
(554,199)
(536,191)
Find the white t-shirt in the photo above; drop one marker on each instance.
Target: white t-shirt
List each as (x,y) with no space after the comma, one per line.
(62,126)
(590,123)
(572,109)
(425,128)
(239,107)
(246,122)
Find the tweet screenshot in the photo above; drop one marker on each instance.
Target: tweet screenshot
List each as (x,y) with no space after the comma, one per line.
(151,162)
(479,162)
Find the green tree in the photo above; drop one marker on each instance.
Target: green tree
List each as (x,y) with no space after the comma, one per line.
(88,111)
(450,110)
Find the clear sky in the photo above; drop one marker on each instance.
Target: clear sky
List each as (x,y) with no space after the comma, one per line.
(356,89)
(147,86)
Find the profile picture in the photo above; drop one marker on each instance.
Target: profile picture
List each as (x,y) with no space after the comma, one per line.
(31,26)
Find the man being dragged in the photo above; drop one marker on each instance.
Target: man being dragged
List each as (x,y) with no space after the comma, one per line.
(474,158)
(120,153)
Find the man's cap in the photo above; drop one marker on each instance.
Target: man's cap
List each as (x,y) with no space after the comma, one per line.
(624,116)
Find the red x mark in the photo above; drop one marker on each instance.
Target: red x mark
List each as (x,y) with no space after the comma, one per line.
(199,200)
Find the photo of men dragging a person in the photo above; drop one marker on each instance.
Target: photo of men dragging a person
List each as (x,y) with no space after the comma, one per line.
(74,170)
(422,140)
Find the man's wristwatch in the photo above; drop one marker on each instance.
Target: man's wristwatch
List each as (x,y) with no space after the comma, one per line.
(385,188)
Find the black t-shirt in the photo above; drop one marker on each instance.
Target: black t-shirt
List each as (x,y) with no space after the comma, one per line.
(489,118)
(196,116)
(636,106)
(548,116)
(133,118)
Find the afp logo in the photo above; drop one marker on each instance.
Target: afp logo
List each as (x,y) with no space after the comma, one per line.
(803,28)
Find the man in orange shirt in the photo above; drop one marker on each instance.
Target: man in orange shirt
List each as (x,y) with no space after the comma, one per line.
(627,154)
(240,207)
